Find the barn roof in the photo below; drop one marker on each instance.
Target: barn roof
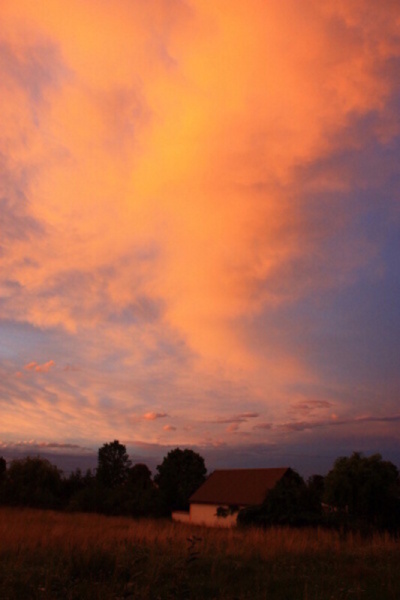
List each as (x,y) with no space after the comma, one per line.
(244,487)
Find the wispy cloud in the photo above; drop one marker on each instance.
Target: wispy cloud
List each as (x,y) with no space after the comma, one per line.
(239,418)
(152,416)
(336,422)
(71,368)
(266,426)
(248,415)
(223,421)
(35,445)
(308,405)
(43,368)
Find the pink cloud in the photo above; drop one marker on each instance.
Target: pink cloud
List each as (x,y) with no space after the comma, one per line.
(239,418)
(43,368)
(266,426)
(152,416)
(232,428)
(169,428)
(336,422)
(31,366)
(228,420)
(308,406)
(248,415)
(34,444)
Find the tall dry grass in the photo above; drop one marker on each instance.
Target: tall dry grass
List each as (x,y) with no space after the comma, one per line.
(27,528)
(47,554)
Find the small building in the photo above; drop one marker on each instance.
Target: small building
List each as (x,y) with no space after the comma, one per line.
(217,502)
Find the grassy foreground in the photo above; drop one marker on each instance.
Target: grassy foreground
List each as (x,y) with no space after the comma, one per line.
(50,555)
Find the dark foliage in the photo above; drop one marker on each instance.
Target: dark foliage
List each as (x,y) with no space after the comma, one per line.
(113,464)
(3,468)
(33,482)
(316,487)
(364,490)
(142,495)
(3,474)
(90,498)
(137,496)
(178,477)
(75,483)
(290,502)
(358,493)
(76,486)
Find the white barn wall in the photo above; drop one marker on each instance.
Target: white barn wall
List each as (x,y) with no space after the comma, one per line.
(181,516)
(206,514)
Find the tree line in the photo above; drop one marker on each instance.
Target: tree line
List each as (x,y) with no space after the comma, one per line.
(358,492)
(115,487)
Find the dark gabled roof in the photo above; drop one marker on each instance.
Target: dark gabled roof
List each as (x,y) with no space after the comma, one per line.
(244,487)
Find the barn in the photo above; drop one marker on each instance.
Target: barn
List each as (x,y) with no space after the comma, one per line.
(217,502)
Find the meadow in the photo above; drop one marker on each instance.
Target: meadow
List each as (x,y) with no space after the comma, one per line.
(54,555)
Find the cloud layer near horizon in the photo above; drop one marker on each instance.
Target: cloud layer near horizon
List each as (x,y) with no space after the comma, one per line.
(199,219)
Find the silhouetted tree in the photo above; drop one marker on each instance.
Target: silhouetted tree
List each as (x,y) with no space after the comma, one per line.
(141,495)
(179,476)
(3,468)
(33,482)
(3,474)
(316,486)
(131,493)
(113,464)
(140,476)
(365,488)
(290,502)
(89,494)
(74,484)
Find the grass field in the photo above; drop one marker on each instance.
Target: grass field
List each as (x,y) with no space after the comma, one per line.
(50,555)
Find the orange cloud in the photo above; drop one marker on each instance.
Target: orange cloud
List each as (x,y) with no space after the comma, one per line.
(169,428)
(308,406)
(31,366)
(152,416)
(146,138)
(43,368)
(248,415)
(232,428)
(162,162)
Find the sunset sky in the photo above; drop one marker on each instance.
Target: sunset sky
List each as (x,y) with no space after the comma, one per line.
(200,229)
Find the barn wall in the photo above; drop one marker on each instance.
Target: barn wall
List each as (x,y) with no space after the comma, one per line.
(205,514)
(181,516)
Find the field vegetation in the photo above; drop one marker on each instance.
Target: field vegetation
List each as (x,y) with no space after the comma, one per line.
(55,555)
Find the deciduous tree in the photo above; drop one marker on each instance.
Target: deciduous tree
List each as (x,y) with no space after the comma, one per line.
(33,481)
(290,502)
(113,464)
(364,487)
(179,476)
(3,468)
